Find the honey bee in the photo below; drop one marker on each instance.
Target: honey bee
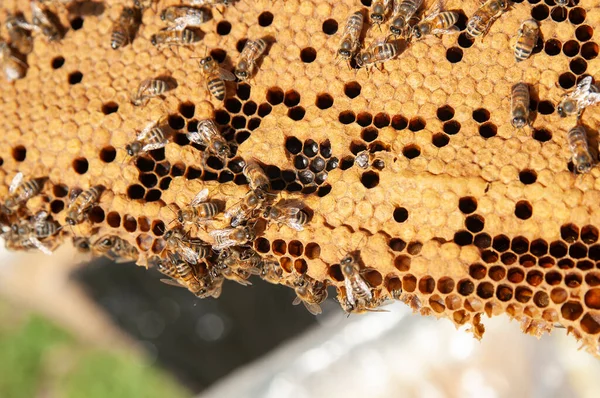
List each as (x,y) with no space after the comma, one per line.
(289,214)
(244,209)
(227,237)
(215,77)
(238,264)
(256,176)
(153,136)
(520,105)
(270,270)
(184,275)
(351,36)
(210,3)
(253,49)
(580,151)
(378,52)
(359,296)
(380,10)
(125,27)
(584,95)
(150,88)
(362,159)
(170,37)
(191,249)
(528,36)
(199,209)
(20,38)
(311,293)
(180,17)
(44,21)
(436,22)
(82,203)
(208,135)
(484,17)
(21,191)
(116,249)
(31,231)
(12,67)
(402,12)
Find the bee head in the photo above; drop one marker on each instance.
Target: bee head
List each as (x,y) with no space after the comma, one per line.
(267,212)
(163,14)
(240,71)
(180,217)
(583,164)
(344,53)
(152,40)
(70,220)
(377,15)
(566,108)
(132,149)
(417,32)
(518,122)
(397,26)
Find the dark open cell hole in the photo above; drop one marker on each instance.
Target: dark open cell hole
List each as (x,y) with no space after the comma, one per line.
(488,130)
(158,228)
(589,234)
(317,164)
(240,44)
(80,165)
(181,139)
(243,91)
(381,120)
(558,249)
(60,190)
(527,176)
(214,163)
(540,12)
(233,105)
(465,40)
(461,24)
(584,33)
(296,113)
(144,164)
(249,108)
(275,96)
(308,55)
(481,115)
(533,1)
(324,101)
(356,147)
(399,122)
(454,54)
(364,119)
(571,48)
(369,179)
(550,2)
(589,50)
(416,124)
(253,123)
(411,151)
(545,108)
(113,219)
(76,23)
(445,113)
(293,145)
(264,109)
(75,78)
(520,245)
(578,250)
(158,154)
(291,98)
(346,117)
(332,164)
(369,134)
(397,244)
(108,154)
(300,162)
(542,135)
(187,110)
(440,140)
(552,47)
(558,14)
(110,107)
(177,170)
(192,173)
(56,206)
(347,162)
(330,26)
(153,195)
(149,180)
(19,153)
(325,149)
(366,3)
(57,62)
(223,28)
(523,210)
(176,122)
(222,117)
(165,183)
(238,122)
(323,190)
(463,238)
(96,215)
(577,15)
(129,223)
(400,214)
(465,287)
(162,169)
(578,66)
(467,204)
(218,54)
(265,19)
(135,191)
(482,240)
(474,223)
(452,127)
(352,89)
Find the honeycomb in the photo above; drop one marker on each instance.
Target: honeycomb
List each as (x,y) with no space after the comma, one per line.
(458,214)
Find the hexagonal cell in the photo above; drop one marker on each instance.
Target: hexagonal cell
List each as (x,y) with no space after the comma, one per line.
(426,285)
(590,323)
(523,294)
(465,287)
(409,282)
(414,248)
(504,293)
(477,271)
(482,240)
(402,263)
(373,277)
(571,310)
(300,266)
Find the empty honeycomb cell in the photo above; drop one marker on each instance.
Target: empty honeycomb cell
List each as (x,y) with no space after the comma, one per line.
(426,285)
(414,248)
(400,214)
(539,247)
(286,263)
(590,323)
(589,234)
(578,250)
(158,246)
(592,278)
(592,299)
(445,113)
(402,263)
(176,122)
(233,105)
(465,287)
(300,266)
(241,44)
(527,177)
(552,47)
(324,101)
(57,62)
(224,176)
(291,98)
(110,107)
(19,153)
(113,219)
(501,243)
(569,233)
(584,33)
(75,78)
(540,12)
(589,50)
(265,19)
(559,249)
(373,277)
(515,275)
(558,14)
(300,162)
(573,280)
(520,245)
(158,228)
(437,303)
(242,136)
(545,107)
(135,191)
(238,122)
(221,117)
(296,113)
(488,130)
(80,165)
(485,290)
(523,294)
(440,140)
(249,108)
(535,277)
(417,124)
(308,55)
(295,248)
(411,151)
(381,120)
(571,48)
(540,299)
(187,109)
(330,26)
(409,282)
(566,263)
(558,295)
(571,310)
(324,190)
(262,245)
(96,215)
(566,80)
(504,293)
(108,154)
(508,258)
(264,109)
(594,253)
(553,278)
(397,244)
(584,265)
(243,91)
(76,23)
(474,223)
(445,285)
(279,247)
(223,28)
(144,242)
(481,115)
(465,40)
(60,190)
(454,54)
(523,210)
(527,260)
(312,250)
(463,238)
(467,204)
(347,117)
(451,127)
(364,119)
(275,96)
(489,256)
(369,134)
(477,271)
(399,122)
(577,15)
(56,206)
(578,66)
(497,273)
(148,180)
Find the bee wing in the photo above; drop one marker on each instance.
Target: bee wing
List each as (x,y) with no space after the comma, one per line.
(583,86)
(434,10)
(171,282)
(295,225)
(40,216)
(226,75)
(188,254)
(314,309)
(297,301)
(35,241)
(144,133)
(200,198)
(16,181)
(591,99)
(74,194)
(154,145)
(452,29)
(143,87)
